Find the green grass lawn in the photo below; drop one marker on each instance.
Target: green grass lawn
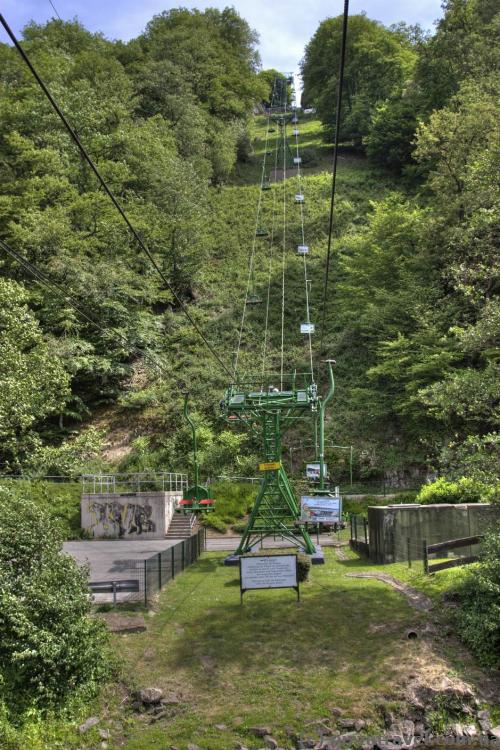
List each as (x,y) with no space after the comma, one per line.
(272,661)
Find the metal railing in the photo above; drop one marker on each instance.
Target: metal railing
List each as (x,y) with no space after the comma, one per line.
(442,549)
(359,534)
(160,481)
(141,580)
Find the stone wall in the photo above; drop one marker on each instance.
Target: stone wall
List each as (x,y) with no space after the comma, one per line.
(391,526)
(141,515)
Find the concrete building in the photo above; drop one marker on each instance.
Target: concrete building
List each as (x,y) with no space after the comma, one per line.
(128,515)
(390,527)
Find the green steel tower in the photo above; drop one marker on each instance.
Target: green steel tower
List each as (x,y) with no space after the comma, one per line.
(259,404)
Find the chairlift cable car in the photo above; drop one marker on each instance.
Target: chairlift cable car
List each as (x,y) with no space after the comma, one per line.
(196,499)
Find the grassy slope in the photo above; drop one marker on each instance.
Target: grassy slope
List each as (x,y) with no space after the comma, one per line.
(276,662)
(223,278)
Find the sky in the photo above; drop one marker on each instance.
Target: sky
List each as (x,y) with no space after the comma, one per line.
(284,26)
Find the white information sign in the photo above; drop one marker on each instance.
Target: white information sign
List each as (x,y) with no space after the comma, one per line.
(321,509)
(268,572)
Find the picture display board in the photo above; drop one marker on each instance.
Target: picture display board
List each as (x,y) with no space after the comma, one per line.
(313,471)
(268,572)
(320,509)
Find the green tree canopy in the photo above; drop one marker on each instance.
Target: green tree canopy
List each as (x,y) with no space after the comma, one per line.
(33,382)
(378,62)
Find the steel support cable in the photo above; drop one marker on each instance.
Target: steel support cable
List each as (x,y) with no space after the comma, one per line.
(55,10)
(283,263)
(268,299)
(69,299)
(334,167)
(250,276)
(110,194)
(306,280)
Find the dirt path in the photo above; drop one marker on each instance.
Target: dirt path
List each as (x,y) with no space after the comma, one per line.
(415,598)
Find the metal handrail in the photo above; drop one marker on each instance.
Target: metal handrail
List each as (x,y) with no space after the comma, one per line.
(93,484)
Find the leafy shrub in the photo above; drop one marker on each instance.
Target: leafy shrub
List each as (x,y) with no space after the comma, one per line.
(60,500)
(478,617)
(478,457)
(50,648)
(232,499)
(239,528)
(214,522)
(390,139)
(73,457)
(464,490)
(303,566)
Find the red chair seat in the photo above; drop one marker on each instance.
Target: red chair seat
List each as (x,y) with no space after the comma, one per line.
(185,502)
(207,502)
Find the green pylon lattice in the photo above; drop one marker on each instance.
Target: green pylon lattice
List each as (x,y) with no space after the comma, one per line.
(276,511)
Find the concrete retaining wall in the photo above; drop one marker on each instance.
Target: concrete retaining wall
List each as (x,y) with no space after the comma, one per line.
(391,526)
(143,515)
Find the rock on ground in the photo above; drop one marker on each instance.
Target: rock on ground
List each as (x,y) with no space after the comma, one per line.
(88,724)
(151,695)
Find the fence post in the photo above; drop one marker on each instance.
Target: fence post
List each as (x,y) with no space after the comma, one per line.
(159,571)
(146,583)
(183,553)
(365,530)
(408,550)
(173,560)
(356,528)
(425,556)
(350,523)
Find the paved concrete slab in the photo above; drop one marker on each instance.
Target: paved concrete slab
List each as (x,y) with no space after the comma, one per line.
(115,560)
(230,543)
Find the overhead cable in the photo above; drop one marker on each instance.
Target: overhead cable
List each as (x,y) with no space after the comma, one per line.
(340,85)
(250,287)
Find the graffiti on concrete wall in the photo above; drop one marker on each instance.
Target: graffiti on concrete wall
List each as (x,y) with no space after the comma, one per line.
(117,519)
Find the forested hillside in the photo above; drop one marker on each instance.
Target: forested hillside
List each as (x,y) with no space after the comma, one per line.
(102,332)
(168,118)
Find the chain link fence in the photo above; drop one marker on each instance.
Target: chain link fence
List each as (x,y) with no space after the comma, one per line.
(140,580)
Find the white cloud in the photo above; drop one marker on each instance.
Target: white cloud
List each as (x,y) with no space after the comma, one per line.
(284,26)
